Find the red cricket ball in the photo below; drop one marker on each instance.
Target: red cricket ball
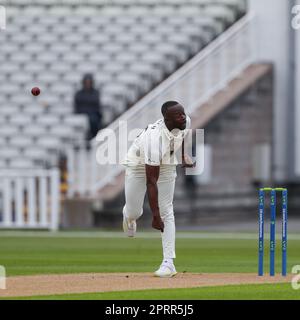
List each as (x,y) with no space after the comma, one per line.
(35,91)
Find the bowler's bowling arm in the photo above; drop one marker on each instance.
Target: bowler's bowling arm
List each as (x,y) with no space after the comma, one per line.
(186,160)
(152,175)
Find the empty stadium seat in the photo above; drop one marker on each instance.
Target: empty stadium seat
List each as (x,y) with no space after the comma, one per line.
(78,122)
(112,48)
(126,21)
(126,38)
(47,39)
(49,99)
(239,5)
(146,70)
(138,10)
(7,131)
(112,11)
(9,152)
(21,163)
(35,67)
(85,49)
(21,119)
(6,89)
(49,20)
(35,153)
(107,116)
(86,67)
(49,143)
(33,31)
(73,78)
(61,67)
(48,120)
(20,57)
(133,79)
(86,29)
(21,141)
(2,141)
(62,132)
(9,110)
(100,38)
(13,11)
(9,68)
(35,110)
(220,12)
(155,60)
(61,48)
(42,161)
(47,77)
(34,10)
(114,30)
(126,57)
(9,48)
(22,97)
(170,51)
(164,10)
(61,10)
(113,67)
(152,20)
(99,57)
(138,47)
(21,78)
(60,110)
(83,10)
(34,130)
(152,38)
(3,164)
(21,38)
(61,88)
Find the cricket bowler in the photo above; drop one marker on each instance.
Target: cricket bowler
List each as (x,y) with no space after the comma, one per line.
(151,167)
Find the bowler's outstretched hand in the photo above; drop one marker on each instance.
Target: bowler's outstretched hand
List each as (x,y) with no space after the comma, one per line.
(187,162)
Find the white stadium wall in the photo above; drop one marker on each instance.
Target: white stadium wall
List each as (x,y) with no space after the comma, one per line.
(273,34)
(297,96)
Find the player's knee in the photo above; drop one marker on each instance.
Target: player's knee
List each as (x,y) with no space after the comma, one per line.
(133,213)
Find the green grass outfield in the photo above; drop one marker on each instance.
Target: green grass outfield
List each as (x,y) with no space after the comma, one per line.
(30,253)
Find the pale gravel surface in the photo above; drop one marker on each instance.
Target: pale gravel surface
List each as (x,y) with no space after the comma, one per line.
(20,286)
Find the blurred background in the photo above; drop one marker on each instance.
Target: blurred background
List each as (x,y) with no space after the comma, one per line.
(233,64)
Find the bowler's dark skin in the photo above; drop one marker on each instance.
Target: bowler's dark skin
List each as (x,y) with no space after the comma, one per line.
(174,118)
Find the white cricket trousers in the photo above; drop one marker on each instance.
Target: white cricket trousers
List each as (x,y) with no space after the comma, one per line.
(135,190)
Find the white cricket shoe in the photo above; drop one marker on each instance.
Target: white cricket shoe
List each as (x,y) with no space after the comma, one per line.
(129,227)
(166,270)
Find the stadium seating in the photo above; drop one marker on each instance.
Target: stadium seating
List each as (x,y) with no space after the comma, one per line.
(129,45)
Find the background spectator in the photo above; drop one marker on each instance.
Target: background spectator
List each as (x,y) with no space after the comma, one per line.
(87,101)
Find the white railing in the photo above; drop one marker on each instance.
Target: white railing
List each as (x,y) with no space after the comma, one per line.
(192,85)
(29,199)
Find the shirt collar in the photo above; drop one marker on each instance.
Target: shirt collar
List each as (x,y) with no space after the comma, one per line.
(169,134)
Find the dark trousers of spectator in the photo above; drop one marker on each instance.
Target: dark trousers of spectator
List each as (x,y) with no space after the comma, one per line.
(95,123)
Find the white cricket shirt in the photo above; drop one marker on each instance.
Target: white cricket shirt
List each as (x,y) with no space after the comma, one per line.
(157,146)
